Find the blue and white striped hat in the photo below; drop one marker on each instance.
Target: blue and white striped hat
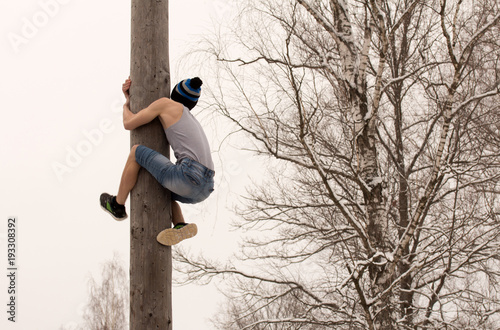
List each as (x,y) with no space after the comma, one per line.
(187,92)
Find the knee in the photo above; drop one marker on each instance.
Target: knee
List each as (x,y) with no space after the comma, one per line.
(132,151)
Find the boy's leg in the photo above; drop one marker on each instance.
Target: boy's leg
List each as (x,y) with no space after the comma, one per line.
(130,173)
(177,216)
(129,177)
(115,205)
(181,230)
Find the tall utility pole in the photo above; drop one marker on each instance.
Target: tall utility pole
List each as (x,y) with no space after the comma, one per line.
(150,262)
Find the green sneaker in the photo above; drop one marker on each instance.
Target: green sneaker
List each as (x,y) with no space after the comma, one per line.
(108,204)
(180,232)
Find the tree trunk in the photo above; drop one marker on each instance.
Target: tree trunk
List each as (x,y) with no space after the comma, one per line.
(150,262)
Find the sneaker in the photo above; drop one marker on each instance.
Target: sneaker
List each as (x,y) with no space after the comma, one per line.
(180,232)
(109,204)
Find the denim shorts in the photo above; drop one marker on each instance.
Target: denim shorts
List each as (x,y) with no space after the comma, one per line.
(189,181)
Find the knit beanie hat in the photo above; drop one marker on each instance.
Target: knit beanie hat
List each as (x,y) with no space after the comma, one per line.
(187,92)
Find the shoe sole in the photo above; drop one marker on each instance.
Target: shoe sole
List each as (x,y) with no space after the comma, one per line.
(173,236)
(111,214)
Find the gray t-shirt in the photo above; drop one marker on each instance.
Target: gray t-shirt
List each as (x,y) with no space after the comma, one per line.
(188,140)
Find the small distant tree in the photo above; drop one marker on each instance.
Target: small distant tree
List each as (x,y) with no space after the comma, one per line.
(108,303)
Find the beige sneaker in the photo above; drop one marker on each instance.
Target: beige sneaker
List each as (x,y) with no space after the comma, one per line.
(180,232)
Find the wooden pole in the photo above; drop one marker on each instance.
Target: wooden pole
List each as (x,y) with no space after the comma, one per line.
(150,262)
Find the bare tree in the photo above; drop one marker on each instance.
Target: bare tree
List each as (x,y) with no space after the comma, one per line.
(108,302)
(383,118)
(107,308)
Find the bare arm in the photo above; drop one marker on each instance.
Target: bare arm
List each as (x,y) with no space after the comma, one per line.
(171,111)
(133,120)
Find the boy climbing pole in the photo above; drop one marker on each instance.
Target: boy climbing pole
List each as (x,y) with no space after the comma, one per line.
(190,180)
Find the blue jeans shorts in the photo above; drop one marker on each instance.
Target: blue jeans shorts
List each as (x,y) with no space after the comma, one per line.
(189,181)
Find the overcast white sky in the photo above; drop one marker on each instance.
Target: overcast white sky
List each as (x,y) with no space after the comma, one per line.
(62,66)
